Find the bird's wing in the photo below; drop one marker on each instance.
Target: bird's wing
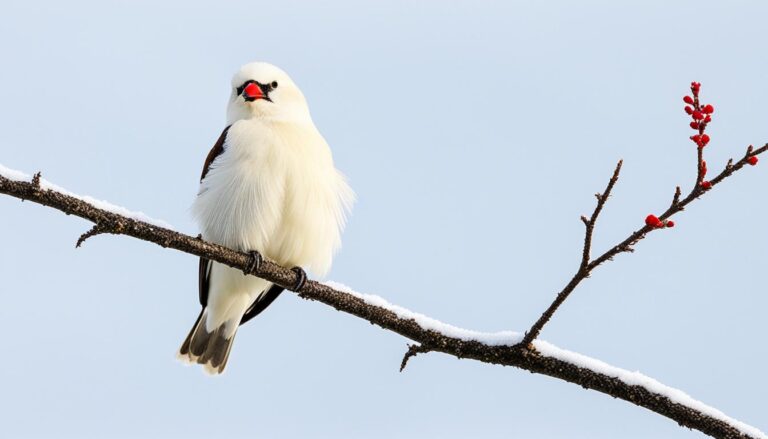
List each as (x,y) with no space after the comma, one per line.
(216,151)
(204,269)
(262,302)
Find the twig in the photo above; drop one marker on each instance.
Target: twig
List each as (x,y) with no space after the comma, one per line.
(95,230)
(413,350)
(601,199)
(584,267)
(676,197)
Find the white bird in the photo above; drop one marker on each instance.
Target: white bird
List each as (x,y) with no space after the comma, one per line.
(269,187)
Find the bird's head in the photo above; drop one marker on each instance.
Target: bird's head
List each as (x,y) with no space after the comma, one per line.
(261,90)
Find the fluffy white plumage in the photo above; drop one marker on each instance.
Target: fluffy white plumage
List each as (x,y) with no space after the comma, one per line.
(273,189)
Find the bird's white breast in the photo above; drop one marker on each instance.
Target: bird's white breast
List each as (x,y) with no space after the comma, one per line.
(275,189)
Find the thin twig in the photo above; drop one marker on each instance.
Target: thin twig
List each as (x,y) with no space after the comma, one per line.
(583,271)
(97,229)
(601,199)
(676,197)
(413,350)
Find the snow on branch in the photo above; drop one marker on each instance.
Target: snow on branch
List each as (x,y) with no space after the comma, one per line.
(511,339)
(503,348)
(41,183)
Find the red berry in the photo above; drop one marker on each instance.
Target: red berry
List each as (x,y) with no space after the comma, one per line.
(704,139)
(706,185)
(670,223)
(688,100)
(653,221)
(696,139)
(708,118)
(708,109)
(697,115)
(688,110)
(695,86)
(695,125)
(752,160)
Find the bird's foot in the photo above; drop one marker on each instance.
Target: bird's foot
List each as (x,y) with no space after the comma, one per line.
(255,262)
(301,278)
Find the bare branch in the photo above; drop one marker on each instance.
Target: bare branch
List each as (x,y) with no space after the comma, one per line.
(583,271)
(626,246)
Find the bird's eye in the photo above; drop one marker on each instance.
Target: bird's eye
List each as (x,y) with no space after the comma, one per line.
(274,84)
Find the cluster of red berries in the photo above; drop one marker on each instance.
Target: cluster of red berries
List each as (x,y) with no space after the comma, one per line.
(656,223)
(701,115)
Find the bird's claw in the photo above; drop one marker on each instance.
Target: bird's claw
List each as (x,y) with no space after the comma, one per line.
(301,278)
(255,263)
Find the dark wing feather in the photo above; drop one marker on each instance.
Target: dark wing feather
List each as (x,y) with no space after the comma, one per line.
(262,303)
(203,280)
(203,268)
(216,151)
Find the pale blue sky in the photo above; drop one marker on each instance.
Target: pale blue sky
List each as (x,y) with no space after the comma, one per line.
(474,134)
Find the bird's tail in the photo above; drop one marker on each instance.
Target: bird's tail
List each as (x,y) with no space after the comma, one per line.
(210,349)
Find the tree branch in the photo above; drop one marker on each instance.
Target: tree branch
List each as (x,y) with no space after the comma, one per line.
(522,356)
(677,205)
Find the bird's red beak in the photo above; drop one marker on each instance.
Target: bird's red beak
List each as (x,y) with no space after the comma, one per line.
(252,92)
